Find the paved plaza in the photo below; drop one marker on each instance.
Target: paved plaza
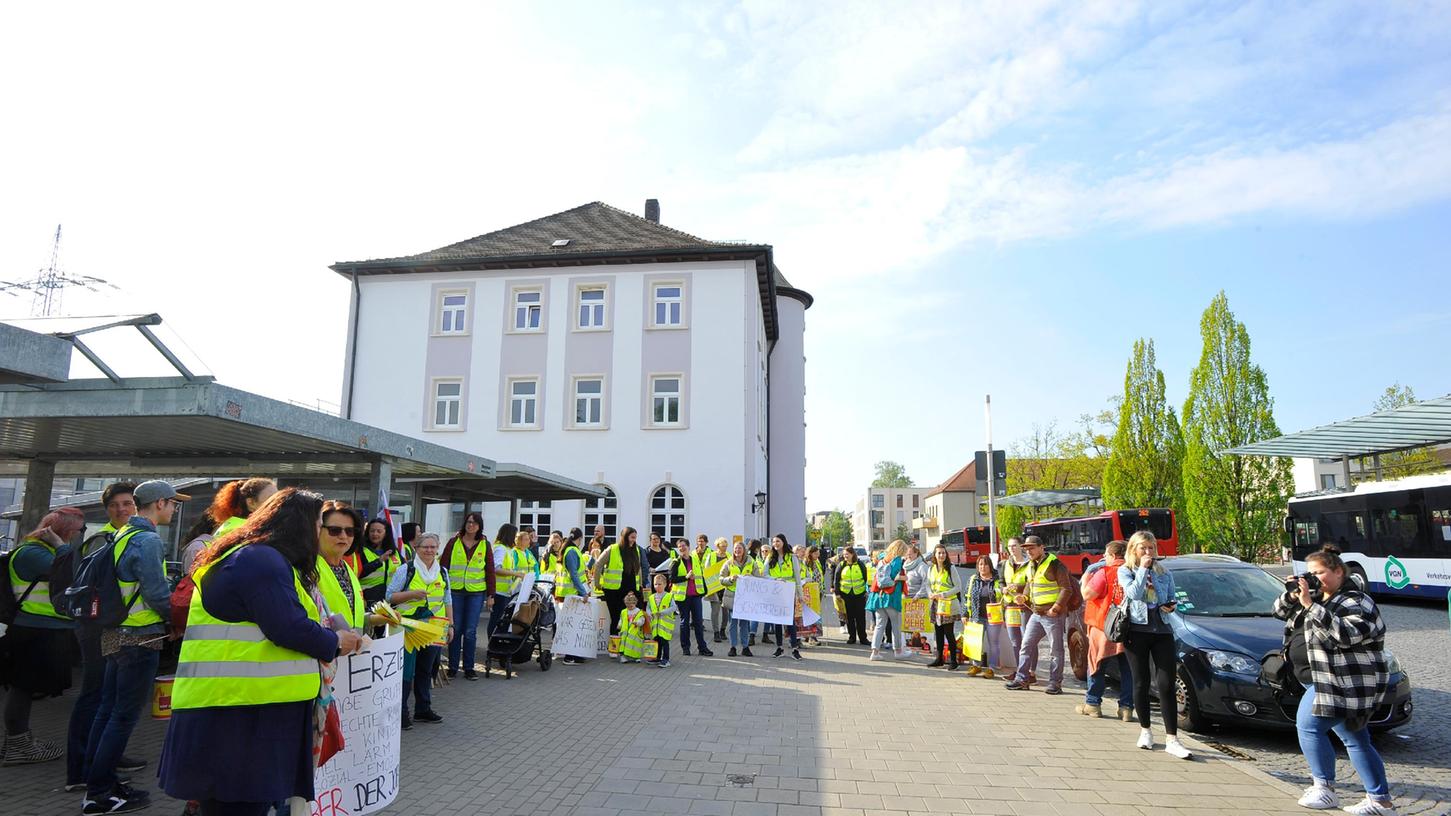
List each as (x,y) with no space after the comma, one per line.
(831,735)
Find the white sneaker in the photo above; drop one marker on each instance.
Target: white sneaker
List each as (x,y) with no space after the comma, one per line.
(1370,807)
(1173,747)
(876,656)
(1146,739)
(1319,797)
(908,655)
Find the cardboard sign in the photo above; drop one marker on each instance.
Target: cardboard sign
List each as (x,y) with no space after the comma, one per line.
(711,574)
(972,634)
(577,627)
(812,591)
(765,600)
(363,778)
(914,614)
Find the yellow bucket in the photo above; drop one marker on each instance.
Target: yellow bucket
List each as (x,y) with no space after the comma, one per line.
(995,614)
(161,698)
(614,644)
(1014,615)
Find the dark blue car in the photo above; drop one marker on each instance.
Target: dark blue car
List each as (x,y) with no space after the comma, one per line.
(1224,629)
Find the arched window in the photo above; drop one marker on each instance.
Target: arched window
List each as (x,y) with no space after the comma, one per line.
(667,512)
(602,513)
(536,514)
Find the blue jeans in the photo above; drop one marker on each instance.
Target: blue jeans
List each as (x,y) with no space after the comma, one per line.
(130,674)
(1035,629)
(83,713)
(1015,639)
(740,631)
(1315,744)
(467,606)
(425,661)
(1098,682)
(691,611)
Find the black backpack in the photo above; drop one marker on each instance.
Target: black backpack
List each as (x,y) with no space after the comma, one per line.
(63,569)
(9,604)
(94,594)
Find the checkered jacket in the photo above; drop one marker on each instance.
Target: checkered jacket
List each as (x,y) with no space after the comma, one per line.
(1345,638)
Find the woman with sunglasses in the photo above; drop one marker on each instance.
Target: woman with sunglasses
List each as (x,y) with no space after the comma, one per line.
(339,585)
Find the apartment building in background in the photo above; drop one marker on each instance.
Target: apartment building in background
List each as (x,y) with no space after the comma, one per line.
(951,506)
(603,346)
(879,513)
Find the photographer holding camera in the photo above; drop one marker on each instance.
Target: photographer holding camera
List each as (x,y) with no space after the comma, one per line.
(1335,645)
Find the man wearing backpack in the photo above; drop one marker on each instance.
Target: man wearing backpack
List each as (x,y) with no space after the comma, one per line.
(132,650)
(120,502)
(1050,594)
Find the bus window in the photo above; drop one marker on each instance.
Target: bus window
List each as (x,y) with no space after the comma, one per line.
(1398,529)
(1441,532)
(1307,539)
(1158,522)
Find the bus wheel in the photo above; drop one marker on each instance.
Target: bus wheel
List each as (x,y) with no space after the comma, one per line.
(1078,653)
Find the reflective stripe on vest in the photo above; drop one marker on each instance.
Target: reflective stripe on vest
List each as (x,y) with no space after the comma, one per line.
(138,614)
(334,596)
(785,568)
(1044,589)
(374,571)
(519,561)
(38,601)
(662,615)
(854,585)
(233,664)
(563,586)
(734,570)
(680,586)
(436,594)
(940,581)
(470,573)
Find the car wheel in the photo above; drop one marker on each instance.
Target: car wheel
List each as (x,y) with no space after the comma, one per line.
(1078,653)
(1191,717)
(1357,574)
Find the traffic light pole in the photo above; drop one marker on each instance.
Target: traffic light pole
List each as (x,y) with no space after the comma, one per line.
(992,489)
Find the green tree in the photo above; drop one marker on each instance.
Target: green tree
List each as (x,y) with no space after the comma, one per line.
(903,532)
(836,530)
(1045,460)
(890,474)
(1402,463)
(1146,455)
(1234,504)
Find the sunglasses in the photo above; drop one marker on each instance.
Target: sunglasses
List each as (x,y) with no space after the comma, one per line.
(340,531)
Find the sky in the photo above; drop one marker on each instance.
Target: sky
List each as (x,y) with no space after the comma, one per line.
(983,198)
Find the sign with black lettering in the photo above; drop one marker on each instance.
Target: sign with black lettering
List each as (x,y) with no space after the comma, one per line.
(363,777)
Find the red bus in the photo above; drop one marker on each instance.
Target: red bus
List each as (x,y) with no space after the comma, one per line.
(1079,541)
(965,545)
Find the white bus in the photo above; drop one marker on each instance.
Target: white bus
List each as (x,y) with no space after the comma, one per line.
(1396,535)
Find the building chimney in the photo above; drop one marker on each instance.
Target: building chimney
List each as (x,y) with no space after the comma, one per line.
(652,210)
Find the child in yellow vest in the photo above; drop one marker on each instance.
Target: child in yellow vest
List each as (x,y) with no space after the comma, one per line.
(632,630)
(660,613)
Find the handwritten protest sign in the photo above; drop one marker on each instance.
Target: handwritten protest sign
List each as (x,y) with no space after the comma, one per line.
(712,577)
(363,777)
(812,591)
(764,600)
(577,628)
(914,614)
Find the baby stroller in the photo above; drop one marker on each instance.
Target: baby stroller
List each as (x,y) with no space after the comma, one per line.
(521,631)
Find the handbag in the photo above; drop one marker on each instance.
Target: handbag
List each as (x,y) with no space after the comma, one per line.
(1116,621)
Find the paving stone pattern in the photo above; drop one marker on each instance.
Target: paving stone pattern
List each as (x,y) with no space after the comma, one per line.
(833,734)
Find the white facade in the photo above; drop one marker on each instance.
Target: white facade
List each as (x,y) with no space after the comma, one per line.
(945,511)
(676,417)
(878,513)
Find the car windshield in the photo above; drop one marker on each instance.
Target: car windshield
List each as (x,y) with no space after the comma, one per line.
(1226,592)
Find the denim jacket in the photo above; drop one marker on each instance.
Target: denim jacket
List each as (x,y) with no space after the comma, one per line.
(1135,583)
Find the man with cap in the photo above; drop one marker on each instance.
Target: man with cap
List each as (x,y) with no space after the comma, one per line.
(132,650)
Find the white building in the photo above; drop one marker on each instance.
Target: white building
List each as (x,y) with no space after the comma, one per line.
(605,347)
(881,511)
(950,506)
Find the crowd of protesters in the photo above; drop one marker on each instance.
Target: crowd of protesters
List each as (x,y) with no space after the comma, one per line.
(278,584)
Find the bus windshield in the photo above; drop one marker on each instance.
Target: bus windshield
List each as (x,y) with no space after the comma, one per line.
(1158,522)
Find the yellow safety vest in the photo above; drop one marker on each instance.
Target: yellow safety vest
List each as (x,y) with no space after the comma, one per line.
(613,574)
(679,585)
(563,586)
(854,585)
(336,598)
(227,526)
(519,561)
(785,568)
(1014,575)
(941,581)
(437,595)
(662,615)
(632,634)
(1044,590)
(38,602)
(138,614)
(734,570)
(374,576)
(469,572)
(233,664)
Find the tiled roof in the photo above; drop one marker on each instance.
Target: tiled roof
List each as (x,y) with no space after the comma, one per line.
(963,481)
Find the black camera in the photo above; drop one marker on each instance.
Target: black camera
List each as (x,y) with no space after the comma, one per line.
(1293,582)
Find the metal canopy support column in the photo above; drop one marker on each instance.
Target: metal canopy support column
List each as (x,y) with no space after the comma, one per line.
(416,505)
(39,479)
(380,484)
(1345,472)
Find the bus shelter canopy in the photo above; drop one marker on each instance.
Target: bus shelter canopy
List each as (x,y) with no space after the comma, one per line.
(175,427)
(1050,498)
(1412,426)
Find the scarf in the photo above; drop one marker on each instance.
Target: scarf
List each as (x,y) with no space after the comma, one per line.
(429,575)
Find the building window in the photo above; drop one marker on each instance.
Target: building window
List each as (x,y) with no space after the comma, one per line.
(667,513)
(665,400)
(1327,481)
(524,403)
(452,306)
(877,517)
(592,308)
(669,301)
(915,499)
(589,399)
(528,310)
(899,499)
(878,500)
(447,403)
(602,513)
(536,514)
